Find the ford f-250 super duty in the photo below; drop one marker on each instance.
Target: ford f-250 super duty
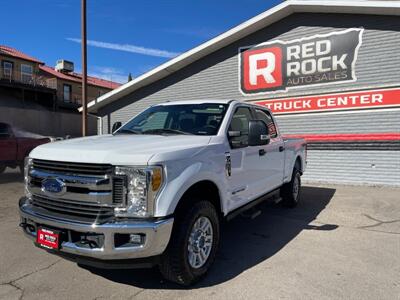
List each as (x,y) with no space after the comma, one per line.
(156,190)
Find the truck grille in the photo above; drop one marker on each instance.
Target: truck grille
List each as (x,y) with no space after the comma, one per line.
(118,190)
(72,168)
(72,210)
(90,194)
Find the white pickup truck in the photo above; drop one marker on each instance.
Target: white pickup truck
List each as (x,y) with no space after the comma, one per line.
(156,190)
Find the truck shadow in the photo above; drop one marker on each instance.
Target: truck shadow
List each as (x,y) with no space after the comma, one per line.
(244,242)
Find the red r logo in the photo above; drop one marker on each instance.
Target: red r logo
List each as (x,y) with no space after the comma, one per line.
(261,69)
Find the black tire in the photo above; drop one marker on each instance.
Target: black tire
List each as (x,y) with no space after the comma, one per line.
(2,168)
(175,264)
(290,192)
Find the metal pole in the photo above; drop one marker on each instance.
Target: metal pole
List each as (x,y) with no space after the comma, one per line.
(84,70)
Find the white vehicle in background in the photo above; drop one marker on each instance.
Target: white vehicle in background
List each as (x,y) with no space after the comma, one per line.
(155,191)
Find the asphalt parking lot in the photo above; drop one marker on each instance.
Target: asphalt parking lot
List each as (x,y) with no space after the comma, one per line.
(339,243)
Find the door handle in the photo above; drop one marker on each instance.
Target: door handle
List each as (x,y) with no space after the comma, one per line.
(281,148)
(262,152)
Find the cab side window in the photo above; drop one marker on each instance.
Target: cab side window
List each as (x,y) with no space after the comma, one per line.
(240,123)
(4,131)
(266,117)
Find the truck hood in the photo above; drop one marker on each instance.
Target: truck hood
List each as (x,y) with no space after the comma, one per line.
(120,149)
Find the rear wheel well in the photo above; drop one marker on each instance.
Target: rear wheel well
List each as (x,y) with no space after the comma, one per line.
(202,190)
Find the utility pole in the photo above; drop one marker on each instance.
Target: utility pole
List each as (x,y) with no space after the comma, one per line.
(84,69)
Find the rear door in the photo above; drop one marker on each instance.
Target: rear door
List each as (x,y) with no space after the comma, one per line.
(8,144)
(273,154)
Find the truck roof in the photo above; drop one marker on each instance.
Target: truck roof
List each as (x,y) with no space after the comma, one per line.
(215,101)
(200,101)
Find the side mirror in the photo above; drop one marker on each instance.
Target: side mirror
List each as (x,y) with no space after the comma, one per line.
(258,133)
(116,126)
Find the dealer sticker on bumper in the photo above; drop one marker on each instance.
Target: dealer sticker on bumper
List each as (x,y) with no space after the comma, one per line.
(48,238)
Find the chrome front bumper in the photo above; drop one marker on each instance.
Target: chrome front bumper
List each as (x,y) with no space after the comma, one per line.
(156,235)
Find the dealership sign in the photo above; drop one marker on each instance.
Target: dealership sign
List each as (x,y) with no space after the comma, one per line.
(316,60)
(338,101)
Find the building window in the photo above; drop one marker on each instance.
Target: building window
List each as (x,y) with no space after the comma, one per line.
(7,69)
(67,89)
(26,73)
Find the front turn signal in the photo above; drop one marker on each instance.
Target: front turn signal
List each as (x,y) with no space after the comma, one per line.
(156,179)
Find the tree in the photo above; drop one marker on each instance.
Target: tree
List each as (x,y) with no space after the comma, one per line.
(129,77)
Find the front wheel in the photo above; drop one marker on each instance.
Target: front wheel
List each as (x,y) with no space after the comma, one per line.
(290,192)
(193,245)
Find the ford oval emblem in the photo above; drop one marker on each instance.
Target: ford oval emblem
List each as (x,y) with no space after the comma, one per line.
(53,186)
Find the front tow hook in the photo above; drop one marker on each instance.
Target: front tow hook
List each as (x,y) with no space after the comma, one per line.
(26,226)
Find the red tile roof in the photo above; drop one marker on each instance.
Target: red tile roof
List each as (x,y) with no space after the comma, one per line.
(6,50)
(78,78)
(9,51)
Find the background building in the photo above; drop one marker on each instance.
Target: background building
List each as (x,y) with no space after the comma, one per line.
(43,99)
(21,84)
(69,85)
(330,71)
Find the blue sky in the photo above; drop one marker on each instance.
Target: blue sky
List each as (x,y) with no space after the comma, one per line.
(124,36)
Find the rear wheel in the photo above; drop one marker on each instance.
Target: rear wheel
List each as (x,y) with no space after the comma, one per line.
(193,245)
(290,192)
(2,168)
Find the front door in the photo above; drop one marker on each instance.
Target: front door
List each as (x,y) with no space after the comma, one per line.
(246,177)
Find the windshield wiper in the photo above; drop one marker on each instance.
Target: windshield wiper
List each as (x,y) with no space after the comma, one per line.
(126,130)
(165,130)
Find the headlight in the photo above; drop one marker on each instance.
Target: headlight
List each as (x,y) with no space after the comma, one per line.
(27,167)
(142,187)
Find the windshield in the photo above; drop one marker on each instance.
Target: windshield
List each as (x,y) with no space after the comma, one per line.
(197,119)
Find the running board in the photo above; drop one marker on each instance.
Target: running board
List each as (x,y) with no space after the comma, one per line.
(274,194)
(252,213)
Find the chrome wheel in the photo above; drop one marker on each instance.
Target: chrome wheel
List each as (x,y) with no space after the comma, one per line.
(200,242)
(296,188)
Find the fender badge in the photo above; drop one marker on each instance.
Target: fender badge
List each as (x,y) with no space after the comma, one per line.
(228,164)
